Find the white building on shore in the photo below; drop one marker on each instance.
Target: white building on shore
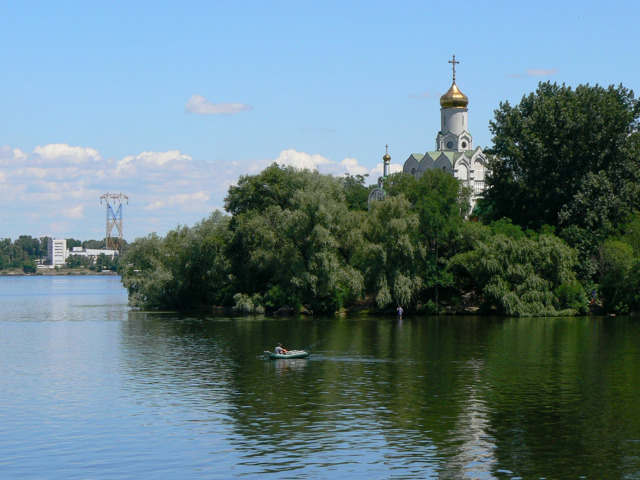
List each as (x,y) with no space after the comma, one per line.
(92,252)
(57,252)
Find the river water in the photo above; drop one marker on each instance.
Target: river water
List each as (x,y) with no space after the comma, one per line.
(92,390)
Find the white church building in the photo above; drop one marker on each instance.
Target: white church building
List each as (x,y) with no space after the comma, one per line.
(454,151)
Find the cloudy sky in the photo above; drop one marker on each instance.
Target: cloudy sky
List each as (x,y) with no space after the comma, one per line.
(169,102)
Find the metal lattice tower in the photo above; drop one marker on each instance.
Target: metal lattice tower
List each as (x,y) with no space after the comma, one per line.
(114,218)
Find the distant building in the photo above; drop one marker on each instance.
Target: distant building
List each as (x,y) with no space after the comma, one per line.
(56,251)
(378,192)
(93,253)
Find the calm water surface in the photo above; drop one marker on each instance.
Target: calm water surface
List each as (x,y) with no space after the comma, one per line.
(93,390)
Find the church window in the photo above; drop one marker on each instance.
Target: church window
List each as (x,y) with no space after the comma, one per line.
(449,144)
(464,144)
(413,171)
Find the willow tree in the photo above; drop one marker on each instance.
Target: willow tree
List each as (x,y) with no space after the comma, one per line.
(522,275)
(185,269)
(293,240)
(440,203)
(391,255)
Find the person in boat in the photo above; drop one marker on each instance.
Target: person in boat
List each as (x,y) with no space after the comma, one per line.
(280,350)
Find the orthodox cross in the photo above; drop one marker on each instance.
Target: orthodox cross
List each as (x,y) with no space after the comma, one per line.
(453,62)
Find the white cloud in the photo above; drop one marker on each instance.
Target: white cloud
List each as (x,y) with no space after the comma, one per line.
(352,167)
(131,164)
(322,164)
(56,189)
(63,152)
(301,160)
(201,106)
(541,72)
(378,169)
(192,199)
(74,212)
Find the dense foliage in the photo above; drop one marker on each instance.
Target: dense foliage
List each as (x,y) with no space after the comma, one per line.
(26,252)
(560,226)
(569,159)
(22,253)
(520,274)
(297,240)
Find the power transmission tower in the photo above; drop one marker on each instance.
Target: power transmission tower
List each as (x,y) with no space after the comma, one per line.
(114,218)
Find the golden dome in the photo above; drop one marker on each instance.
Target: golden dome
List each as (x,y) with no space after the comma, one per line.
(454,98)
(387,158)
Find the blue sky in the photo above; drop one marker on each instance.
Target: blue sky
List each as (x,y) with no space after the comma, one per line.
(170,102)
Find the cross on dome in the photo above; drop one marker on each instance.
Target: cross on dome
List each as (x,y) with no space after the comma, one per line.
(453,62)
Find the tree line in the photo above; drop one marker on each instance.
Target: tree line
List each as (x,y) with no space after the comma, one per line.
(558,227)
(26,252)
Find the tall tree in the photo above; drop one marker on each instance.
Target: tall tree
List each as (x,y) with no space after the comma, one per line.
(391,255)
(559,143)
(440,203)
(292,239)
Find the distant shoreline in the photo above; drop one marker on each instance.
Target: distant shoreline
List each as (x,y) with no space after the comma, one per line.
(16,272)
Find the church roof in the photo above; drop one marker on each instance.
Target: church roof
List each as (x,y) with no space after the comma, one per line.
(453,156)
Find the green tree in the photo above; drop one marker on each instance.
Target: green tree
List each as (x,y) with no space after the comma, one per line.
(274,186)
(78,261)
(558,150)
(391,254)
(441,204)
(145,275)
(615,263)
(185,269)
(72,242)
(29,266)
(522,276)
(292,240)
(31,246)
(13,254)
(356,193)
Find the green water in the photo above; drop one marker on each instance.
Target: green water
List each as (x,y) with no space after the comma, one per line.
(93,390)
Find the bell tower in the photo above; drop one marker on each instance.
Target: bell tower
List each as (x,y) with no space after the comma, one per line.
(453,135)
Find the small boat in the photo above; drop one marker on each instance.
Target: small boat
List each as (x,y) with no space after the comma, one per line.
(289,354)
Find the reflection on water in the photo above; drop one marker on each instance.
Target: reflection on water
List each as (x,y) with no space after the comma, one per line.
(93,390)
(471,453)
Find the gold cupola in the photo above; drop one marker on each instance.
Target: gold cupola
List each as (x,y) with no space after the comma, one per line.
(454,98)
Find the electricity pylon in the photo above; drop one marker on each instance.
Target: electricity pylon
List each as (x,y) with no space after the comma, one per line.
(114,218)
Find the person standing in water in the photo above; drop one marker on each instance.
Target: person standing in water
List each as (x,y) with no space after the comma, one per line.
(400,311)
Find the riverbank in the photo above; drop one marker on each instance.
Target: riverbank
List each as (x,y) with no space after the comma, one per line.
(12,272)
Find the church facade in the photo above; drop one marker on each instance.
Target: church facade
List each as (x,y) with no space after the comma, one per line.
(454,151)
